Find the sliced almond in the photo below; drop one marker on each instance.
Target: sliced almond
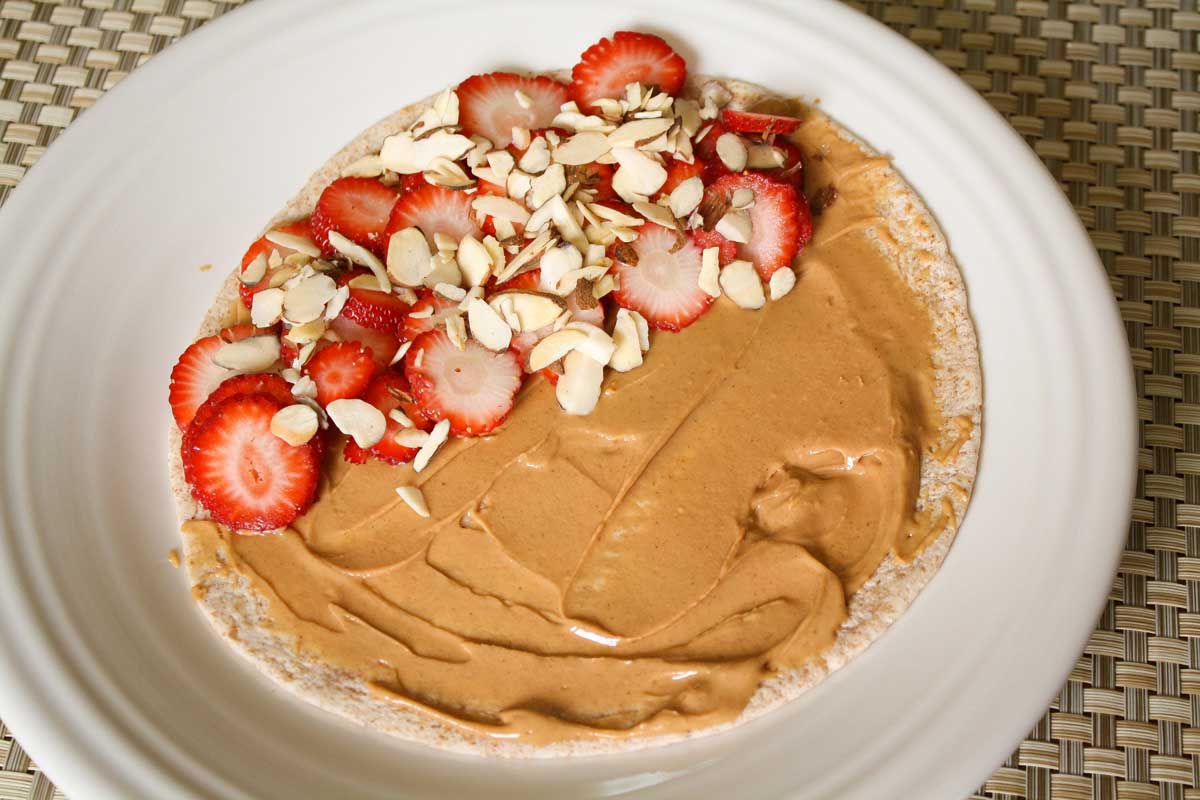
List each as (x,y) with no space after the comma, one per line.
(308,332)
(627,350)
(359,420)
(337,302)
(369,166)
(400,418)
(631,134)
(456,331)
(474,261)
(501,162)
(688,112)
(301,244)
(304,300)
(437,437)
(764,156)
(741,284)
(527,254)
(414,499)
(362,256)
(443,112)
(735,226)
(295,424)
(578,389)
(252,354)
(638,175)
(304,386)
(550,183)
(556,263)
(446,173)
(443,268)
(643,329)
(500,208)
(686,197)
(367,282)
(532,310)
(597,344)
(582,148)
(604,285)
(518,184)
(554,347)
(408,257)
(536,157)
(406,155)
(742,199)
(400,353)
(520,137)
(657,214)
(411,437)
(255,271)
(782,281)
(281,276)
(266,308)
(487,327)
(732,151)
(710,270)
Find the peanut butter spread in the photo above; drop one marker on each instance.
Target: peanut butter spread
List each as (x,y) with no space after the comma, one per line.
(643,569)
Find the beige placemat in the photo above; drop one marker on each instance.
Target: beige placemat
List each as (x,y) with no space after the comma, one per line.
(1106,94)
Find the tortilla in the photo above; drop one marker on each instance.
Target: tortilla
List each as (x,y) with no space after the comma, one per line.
(919,250)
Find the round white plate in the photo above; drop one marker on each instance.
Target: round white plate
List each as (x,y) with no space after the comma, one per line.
(111,678)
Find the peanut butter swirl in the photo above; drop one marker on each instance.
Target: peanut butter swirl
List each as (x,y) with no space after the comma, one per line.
(643,569)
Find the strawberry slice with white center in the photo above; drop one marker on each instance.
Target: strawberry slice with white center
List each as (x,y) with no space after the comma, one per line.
(474,388)
(628,57)
(433,209)
(342,370)
(664,284)
(776,219)
(357,208)
(382,344)
(387,392)
(195,375)
(751,122)
(488,104)
(247,477)
(428,313)
(264,247)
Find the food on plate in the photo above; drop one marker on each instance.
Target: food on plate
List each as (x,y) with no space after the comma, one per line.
(578,412)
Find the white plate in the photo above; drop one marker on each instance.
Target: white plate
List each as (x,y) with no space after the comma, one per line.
(111,678)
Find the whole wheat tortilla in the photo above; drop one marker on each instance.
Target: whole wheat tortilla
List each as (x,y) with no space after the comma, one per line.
(924,262)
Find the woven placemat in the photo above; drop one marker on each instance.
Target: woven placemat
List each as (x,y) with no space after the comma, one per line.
(1105,92)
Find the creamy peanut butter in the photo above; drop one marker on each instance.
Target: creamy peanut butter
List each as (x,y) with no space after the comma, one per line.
(643,569)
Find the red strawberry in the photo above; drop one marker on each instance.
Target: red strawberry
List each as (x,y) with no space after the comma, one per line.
(678,172)
(705,149)
(609,64)
(775,219)
(529,281)
(664,285)
(382,311)
(473,388)
(433,209)
(382,344)
(792,170)
(487,104)
(358,209)
(247,477)
(522,343)
(410,183)
(340,370)
(195,376)
(298,228)
(750,122)
(706,239)
(596,178)
(388,391)
(267,383)
(414,326)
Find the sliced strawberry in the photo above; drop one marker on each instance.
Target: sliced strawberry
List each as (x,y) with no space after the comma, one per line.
(410,183)
(341,370)
(522,343)
(750,122)
(417,323)
(534,134)
(267,383)
(262,246)
(529,281)
(358,209)
(382,344)
(775,219)
(706,239)
(628,57)
(195,376)
(473,388)
(247,477)
(382,311)
(488,106)
(792,170)
(678,172)
(389,391)
(353,454)
(433,209)
(664,284)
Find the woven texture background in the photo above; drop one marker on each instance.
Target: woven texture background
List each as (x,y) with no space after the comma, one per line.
(1105,92)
